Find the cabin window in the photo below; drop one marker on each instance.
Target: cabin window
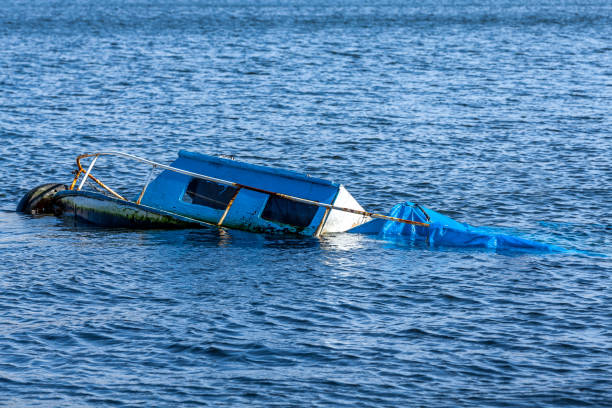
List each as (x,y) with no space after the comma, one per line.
(289,212)
(209,194)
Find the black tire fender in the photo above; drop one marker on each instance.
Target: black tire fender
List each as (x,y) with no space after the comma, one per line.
(40,200)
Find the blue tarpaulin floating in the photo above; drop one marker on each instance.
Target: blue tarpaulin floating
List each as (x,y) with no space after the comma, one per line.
(444,231)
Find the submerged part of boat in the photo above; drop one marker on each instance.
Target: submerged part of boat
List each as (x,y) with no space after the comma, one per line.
(197,190)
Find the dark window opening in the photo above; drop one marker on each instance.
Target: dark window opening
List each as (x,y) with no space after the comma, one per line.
(289,212)
(209,194)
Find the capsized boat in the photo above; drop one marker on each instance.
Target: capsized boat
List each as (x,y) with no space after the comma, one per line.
(199,190)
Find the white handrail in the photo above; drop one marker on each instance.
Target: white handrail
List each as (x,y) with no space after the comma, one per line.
(87,172)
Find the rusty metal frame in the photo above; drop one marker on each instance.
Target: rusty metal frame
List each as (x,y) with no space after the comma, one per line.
(238,186)
(322,223)
(229,205)
(87,174)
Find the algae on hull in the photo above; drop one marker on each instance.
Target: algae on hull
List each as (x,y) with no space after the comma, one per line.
(116,213)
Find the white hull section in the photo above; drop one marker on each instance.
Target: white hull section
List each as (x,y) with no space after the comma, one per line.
(341,221)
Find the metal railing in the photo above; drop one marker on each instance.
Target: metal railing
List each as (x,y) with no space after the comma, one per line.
(238,186)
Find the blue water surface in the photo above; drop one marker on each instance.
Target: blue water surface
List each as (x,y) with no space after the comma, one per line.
(494,113)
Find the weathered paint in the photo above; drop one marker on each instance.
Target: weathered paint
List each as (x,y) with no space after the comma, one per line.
(101,210)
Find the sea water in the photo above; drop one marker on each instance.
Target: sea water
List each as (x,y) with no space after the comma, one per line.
(495,114)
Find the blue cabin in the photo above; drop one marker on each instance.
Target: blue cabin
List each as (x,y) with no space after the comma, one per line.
(251,207)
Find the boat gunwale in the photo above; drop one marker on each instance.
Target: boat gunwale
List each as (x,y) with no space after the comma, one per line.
(142,207)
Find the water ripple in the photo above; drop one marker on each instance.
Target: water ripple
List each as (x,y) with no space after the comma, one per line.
(495,115)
